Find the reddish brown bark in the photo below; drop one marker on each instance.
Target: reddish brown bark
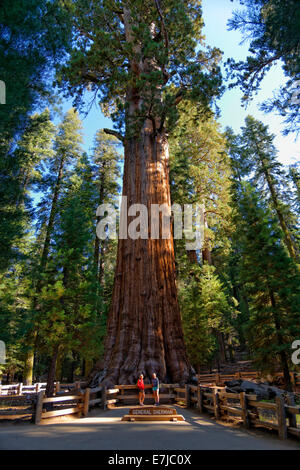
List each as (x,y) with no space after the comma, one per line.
(144,332)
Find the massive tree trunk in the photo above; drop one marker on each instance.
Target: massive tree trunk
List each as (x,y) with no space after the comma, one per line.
(144,332)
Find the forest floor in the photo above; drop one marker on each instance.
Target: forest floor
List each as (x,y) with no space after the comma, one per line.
(103,430)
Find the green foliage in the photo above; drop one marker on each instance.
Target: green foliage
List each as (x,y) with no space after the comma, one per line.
(294,176)
(254,157)
(271,280)
(205,309)
(33,36)
(145,46)
(200,173)
(273,29)
(51,297)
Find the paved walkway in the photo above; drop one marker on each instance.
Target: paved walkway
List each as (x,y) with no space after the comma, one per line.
(103,430)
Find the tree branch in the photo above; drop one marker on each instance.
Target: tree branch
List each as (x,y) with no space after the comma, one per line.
(115,133)
(163,26)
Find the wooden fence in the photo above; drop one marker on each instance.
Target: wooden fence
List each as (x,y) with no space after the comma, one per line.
(21,389)
(61,405)
(70,399)
(17,407)
(203,379)
(276,415)
(220,379)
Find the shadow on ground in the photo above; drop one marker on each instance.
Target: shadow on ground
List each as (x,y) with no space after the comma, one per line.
(104,430)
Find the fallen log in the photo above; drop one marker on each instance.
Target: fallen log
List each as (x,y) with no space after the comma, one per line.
(261,390)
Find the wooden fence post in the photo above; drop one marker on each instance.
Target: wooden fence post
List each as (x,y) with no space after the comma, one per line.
(200,398)
(216,404)
(218,379)
(187,396)
(103,397)
(39,407)
(77,386)
(57,387)
(291,416)
(245,416)
(281,416)
(19,389)
(86,401)
(37,387)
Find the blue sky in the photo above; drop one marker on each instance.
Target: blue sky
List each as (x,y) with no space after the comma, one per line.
(216,14)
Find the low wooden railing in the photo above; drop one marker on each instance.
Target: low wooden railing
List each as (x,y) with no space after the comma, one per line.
(219,378)
(70,399)
(21,389)
(61,405)
(247,407)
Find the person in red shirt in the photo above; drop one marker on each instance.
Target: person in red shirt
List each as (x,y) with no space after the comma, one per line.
(141,387)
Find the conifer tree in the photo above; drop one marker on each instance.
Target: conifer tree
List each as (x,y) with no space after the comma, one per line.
(107,172)
(272,283)
(272,26)
(69,319)
(140,59)
(205,310)
(256,157)
(294,176)
(66,149)
(33,36)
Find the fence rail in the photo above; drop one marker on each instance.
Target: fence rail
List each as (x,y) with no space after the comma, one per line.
(220,379)
(56,406)
(69,399)
(21,389)
(248,408)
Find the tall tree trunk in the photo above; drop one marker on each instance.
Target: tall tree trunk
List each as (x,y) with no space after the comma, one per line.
(51,374)
(287,236)
(53,210)
(206,255)
(99,243)
(281,342)
(276,203)
(31,341)
(206,252)
(144,332)
(221,344)
(206,258)
(28,367)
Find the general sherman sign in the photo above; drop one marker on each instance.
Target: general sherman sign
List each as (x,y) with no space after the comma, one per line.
(152,411)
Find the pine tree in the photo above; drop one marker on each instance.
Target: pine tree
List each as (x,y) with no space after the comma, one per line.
(28,52)
(272,283)
(294,176)
(65,151)
(205,310)
(69,297)
(200,173)
(256,158)
(272,26)
(107,172)
(33,147)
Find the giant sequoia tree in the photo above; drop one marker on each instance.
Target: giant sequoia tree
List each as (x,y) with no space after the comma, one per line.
(141,58)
